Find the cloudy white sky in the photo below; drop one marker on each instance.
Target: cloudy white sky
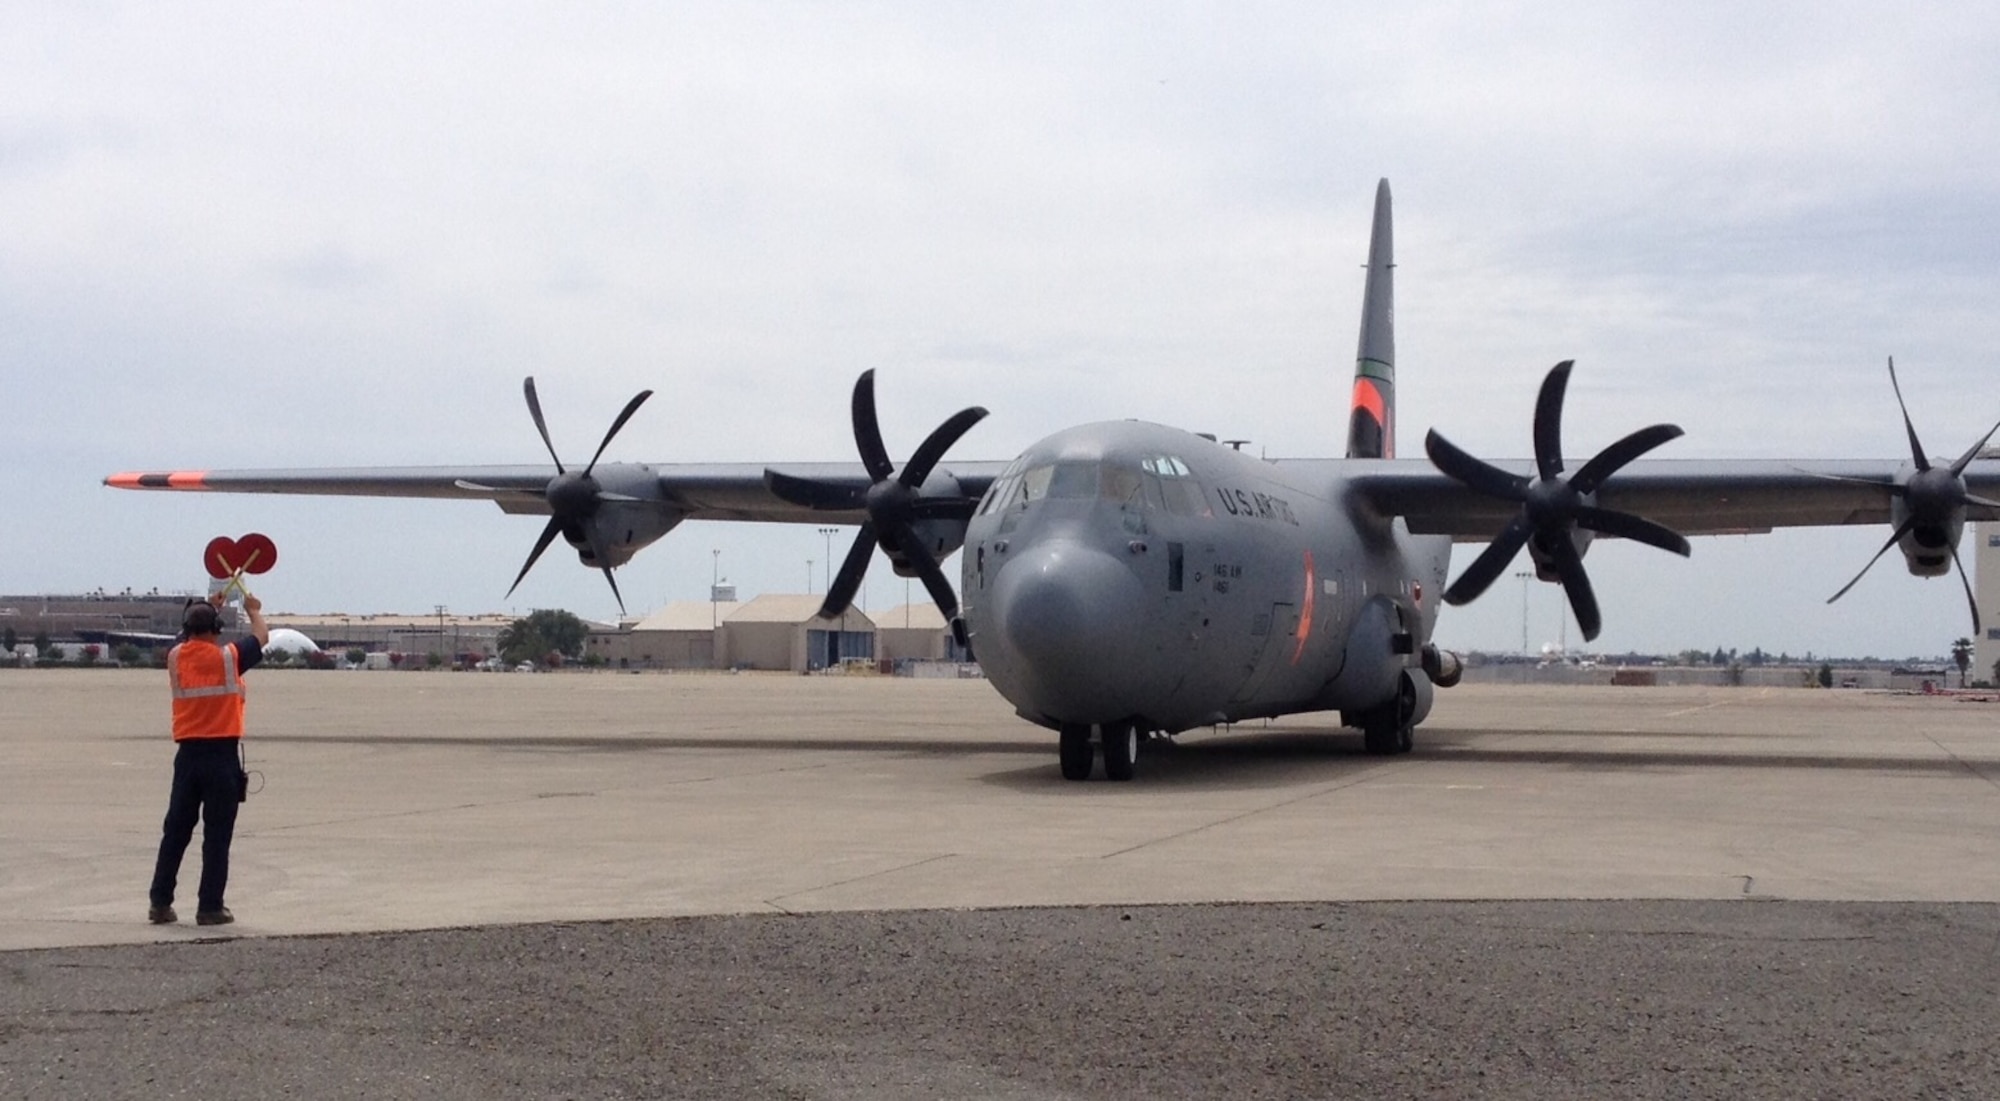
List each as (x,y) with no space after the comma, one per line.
(242,235)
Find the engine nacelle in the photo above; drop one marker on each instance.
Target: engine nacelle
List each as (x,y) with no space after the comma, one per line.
(1926,546)
(1545,568)
(942,538)
(623,529)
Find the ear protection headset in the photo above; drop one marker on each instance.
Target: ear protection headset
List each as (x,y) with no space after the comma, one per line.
(201,618)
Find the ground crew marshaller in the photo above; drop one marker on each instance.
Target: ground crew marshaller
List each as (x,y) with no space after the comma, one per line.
(209,782)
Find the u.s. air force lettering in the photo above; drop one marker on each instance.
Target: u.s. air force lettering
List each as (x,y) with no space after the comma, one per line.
(1256,506)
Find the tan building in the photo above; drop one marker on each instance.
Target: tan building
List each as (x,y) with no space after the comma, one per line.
(682,635)
(779,631)
(915,632)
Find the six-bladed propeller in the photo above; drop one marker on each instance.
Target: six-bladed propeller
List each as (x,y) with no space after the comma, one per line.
(894,503)
(574,495)
(1934,500)
(1553,507)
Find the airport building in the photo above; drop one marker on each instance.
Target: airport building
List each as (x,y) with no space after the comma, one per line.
(776,631)
(459,638)
(140,619)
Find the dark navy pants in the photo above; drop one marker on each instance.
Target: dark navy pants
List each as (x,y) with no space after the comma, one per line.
(208,787)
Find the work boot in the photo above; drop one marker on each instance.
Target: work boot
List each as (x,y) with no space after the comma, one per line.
(162,915)
(214,917)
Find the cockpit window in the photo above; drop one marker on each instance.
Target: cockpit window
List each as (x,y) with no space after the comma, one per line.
(1159,482)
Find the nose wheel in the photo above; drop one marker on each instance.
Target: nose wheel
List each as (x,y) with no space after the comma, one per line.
(1120,744)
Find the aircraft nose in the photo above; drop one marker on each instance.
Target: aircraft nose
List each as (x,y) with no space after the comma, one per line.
(1070,617)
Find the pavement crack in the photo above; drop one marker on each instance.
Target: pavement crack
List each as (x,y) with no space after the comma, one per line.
(777,904)
(1961,762)
(1324,789)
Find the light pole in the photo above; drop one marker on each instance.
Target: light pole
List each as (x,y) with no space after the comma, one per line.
(440,615)
(1524,575)
(809,576)
(829,534)
(714,583)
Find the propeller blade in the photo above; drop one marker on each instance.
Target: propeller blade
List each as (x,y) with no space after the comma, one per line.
(615,594)
(1576,586)
(1972,452)
(806,493)
(1613,459)
(1900,531)
(1967,582)
(604,560)
(936,444)
(535,411)
(1549,419)
(847,582)
(1476,474)
(624,415)
(1490,562)
(932,577)
(1982,502)
(1624,525)
(867,430)
(542,544)
(1916,449)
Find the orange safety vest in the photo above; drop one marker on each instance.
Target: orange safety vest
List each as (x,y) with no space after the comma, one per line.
(208,691)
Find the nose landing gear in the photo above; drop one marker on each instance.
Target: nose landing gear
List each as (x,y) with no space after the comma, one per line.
(1120,744)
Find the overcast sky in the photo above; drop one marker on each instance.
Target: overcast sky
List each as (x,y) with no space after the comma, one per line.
(241,235)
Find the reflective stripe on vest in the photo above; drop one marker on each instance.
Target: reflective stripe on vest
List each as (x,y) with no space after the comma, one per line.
(230,685)
(208,691)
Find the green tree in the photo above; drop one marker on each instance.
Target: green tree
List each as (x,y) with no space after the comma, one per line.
(128,654)
(9,640)
(356,656)
(1825,675)
(44,647)
(1961,656)
(540,633)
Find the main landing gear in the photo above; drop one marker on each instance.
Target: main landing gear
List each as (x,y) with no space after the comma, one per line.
(1120,743)
(1387,729)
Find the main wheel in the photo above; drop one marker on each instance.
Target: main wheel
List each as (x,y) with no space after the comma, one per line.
(1075,752)
(1387,729)
(1121,750)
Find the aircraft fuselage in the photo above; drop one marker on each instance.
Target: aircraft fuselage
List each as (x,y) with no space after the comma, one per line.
(1130,573)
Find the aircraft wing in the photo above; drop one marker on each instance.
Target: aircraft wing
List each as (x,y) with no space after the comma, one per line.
(1691,496)
(695,491)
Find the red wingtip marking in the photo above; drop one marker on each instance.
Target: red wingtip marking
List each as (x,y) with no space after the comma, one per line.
(123,481)
(188,479)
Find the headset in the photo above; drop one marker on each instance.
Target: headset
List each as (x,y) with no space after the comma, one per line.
(201,618)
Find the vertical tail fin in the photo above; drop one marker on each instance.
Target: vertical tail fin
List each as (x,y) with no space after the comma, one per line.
(1371,426)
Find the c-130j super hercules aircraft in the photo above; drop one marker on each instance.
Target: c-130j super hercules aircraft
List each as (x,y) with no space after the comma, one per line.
(1125,579)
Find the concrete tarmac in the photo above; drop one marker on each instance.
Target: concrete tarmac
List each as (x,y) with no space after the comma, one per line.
(742,886)
(387,801)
